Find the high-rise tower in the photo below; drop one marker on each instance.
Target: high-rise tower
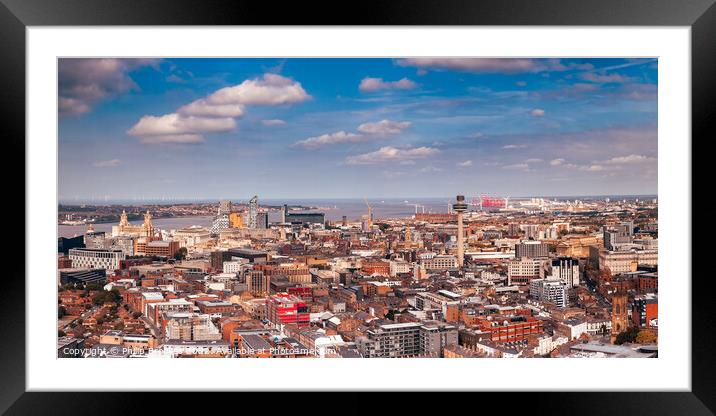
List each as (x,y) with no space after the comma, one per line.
(224,207)
(460,207)
(254,212)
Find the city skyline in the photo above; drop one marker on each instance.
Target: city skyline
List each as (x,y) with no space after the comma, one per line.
(414,198)
(342,128)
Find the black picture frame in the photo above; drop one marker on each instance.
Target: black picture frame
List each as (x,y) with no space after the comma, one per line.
(16,15)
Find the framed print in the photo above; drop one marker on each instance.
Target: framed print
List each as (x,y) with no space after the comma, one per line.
(391,201)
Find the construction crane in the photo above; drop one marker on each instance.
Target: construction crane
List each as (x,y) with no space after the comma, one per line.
(370,213)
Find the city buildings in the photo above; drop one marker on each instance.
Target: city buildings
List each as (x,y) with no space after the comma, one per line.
(302,217)
(253,221)
(546,290)
(161,248)
(391,341)
(531,249)
(395,207)
(89,258)
(307,288)
(566,269)
(81,276)
(234,266)
(236,220)
(192,236)
(645,311)
(187,326)
(224,207)
(522,271)
(220,223)
(124,228)
(258,283)
(441,262)
(625,260)
(284,309)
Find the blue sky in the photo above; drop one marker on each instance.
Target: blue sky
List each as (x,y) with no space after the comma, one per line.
(348,128)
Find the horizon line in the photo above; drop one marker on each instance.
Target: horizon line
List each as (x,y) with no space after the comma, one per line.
(211,199)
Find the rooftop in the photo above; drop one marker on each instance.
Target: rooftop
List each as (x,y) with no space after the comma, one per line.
(619,351)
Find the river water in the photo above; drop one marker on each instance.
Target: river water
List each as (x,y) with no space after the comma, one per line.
(353,209)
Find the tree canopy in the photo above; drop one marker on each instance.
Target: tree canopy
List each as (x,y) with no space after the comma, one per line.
(627,336)
(181,254)
(646,337)
(107,296)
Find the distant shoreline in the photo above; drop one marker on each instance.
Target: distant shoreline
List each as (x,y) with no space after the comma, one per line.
(137,221)
(179,201)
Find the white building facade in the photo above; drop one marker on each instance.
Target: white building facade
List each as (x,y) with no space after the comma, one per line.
(87,258)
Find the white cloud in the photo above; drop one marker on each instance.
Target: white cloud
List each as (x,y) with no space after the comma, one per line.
(605,78)
(595,167)
(517,166)
(175,78)
(329,139)
(173,138)
(392,154)
(272,89)
(621,160)
(366,132)
(592,168)
(202,108)
(175,128)
(74,106)
(216,112)
(492,65)
(369,84)
(556,162)
(465,164)
(514,146)
(538,112)
(638,92)
(82,82)
(384,127)
(273,122)
(107,163)
(534,160)
(473,64)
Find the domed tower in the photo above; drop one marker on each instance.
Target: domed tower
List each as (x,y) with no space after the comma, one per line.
(147,227)
(619,314)
(123,221)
